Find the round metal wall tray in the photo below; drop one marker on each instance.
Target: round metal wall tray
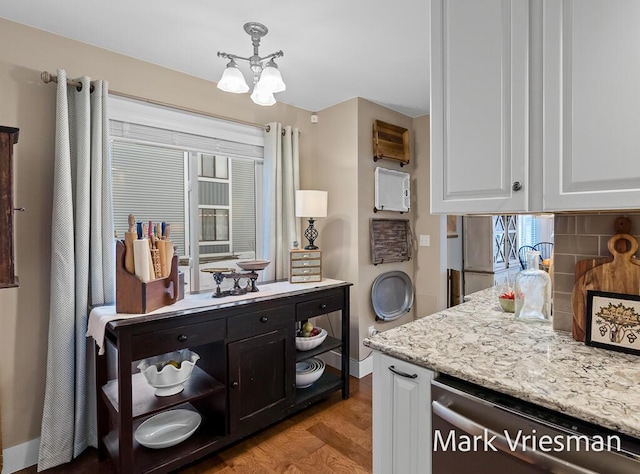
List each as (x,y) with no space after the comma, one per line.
(392,295)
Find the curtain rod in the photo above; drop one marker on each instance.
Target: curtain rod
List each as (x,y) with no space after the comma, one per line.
(48,77)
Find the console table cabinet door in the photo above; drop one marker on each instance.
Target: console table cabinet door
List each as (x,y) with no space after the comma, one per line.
(261,379)
(591,105)
(8,138)
(479,112)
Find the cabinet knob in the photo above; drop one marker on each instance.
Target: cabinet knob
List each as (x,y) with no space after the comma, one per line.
(234,384)
(323,306)
(19,209)
(517,186)
(182,338)
(264,319)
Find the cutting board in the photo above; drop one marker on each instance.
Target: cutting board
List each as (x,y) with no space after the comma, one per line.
(621,274)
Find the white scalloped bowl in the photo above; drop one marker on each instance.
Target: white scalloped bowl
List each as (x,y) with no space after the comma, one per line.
(169,380)
(308,343)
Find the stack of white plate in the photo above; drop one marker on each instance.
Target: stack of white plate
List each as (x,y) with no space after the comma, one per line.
(308,371)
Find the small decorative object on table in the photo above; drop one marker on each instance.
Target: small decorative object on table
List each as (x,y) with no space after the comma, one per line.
(305,266)
(167,373)
(250,267)
(311,204)
(613,321)
(507,301)
(533,291)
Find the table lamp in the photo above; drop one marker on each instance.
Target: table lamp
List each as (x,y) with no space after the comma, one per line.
(311,204)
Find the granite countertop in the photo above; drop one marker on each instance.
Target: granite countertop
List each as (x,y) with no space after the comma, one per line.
(478,342)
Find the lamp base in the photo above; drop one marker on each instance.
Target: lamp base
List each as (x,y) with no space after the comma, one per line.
(311,233)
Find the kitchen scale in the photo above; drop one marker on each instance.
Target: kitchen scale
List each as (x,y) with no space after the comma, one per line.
(219,274)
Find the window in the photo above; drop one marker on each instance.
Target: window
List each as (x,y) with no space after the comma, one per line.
(199,174)
(533,229)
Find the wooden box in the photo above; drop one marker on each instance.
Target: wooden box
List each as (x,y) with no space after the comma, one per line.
(391,142)
(305,266)
(137,297)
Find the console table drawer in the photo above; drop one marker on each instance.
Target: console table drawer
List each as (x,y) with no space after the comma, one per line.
(318,306)
(259,322)
(305,255)
(181,337)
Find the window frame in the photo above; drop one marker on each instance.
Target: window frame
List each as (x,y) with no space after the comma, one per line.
(130,111)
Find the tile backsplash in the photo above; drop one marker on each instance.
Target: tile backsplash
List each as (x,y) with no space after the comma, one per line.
(577,237)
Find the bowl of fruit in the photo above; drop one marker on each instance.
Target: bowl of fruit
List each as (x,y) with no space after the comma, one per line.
(508,301)
(167,373)
(309,337)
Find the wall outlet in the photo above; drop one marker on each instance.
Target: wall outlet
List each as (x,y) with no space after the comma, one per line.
(425,240)
(372,331)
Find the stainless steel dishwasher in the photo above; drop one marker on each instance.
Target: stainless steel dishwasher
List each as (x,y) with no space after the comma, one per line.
(481,431)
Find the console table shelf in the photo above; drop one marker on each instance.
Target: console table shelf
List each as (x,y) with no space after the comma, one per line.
(243,382)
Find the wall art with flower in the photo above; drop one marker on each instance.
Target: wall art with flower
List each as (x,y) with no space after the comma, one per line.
(613,321)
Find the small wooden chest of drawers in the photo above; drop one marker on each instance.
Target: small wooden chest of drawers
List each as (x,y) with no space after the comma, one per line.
(305,266)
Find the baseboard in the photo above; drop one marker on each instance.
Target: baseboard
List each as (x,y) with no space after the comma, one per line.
(20,456)
(357,368)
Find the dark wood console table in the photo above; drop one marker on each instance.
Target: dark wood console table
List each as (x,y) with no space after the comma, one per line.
(243,382)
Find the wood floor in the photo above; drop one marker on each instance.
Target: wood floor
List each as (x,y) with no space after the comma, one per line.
(332,436)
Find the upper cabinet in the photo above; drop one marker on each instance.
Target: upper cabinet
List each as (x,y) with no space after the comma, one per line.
(479,99)
(534,105)
(591,104)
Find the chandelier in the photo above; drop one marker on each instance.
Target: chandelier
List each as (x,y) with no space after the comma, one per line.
(266,77)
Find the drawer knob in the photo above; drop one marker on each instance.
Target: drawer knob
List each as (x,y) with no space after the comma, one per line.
(323,306)
(517,186)
(264,319)
(234,384)
(182,338)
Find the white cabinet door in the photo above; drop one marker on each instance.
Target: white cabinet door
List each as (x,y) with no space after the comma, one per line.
(479,106)
(591,92)
(401,417)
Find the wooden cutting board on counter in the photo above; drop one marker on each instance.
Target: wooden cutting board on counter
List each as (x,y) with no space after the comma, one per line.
(617,274)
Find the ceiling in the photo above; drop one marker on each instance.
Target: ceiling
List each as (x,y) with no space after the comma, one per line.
(334,50)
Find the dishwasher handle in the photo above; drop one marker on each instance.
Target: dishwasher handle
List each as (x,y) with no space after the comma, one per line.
(537,458)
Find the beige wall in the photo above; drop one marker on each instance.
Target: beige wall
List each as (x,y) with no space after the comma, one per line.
(27,103)
(346,170)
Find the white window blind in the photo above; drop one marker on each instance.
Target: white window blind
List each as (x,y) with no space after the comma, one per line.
(148,182)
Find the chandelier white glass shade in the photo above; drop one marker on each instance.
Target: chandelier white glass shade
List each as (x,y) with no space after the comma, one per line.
(267,79)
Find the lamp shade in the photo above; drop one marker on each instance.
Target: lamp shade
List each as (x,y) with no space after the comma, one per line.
(271,79)
(262,96)
(232,80)
(311,203)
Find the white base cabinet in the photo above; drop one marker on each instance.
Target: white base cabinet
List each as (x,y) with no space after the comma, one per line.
(401,416)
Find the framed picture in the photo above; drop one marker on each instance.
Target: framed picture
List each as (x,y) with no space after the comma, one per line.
(613,321)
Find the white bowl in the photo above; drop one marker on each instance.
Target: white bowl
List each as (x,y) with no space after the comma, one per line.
(306,379)
(252,265)
(164,377)
(308,343)
(167,428)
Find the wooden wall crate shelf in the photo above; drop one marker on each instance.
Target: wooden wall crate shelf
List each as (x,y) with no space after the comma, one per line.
(390,240)
(391,142)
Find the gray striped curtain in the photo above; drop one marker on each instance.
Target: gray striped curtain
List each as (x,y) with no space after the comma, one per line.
(82,267)
(281,180)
